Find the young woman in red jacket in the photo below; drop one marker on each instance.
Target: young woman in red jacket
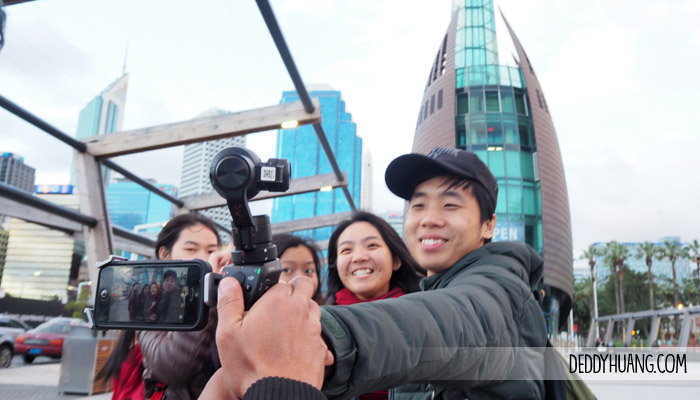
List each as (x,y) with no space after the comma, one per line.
(368,261)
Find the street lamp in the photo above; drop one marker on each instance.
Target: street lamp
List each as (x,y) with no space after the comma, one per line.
(24,277)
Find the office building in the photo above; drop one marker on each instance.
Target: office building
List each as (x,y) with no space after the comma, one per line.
(42,262)
(302,148)
(196,162)
(14,172)
(482,95)
(395,219)
(133,207)
(103,115)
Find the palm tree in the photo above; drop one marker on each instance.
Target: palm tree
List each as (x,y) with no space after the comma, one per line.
(694,252)
(648,250)
(590,254)
(672,251)
(615,256)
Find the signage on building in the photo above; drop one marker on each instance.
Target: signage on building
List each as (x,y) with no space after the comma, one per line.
(509,231)
(53,189)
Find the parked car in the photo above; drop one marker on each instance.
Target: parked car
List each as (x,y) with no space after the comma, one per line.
(7,346)
(47,338)
(13,326)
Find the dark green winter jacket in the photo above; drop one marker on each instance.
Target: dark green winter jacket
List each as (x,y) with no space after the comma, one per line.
(475,331)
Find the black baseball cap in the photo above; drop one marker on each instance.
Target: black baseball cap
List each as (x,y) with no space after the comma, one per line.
(408,171)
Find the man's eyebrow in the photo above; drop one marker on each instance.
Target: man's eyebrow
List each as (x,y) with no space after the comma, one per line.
(418,194)
(453,194)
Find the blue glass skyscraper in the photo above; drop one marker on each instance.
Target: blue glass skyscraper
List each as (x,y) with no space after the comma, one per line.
(303,150)
(130,204)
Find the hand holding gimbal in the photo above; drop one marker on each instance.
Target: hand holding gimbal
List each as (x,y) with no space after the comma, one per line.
(237,174)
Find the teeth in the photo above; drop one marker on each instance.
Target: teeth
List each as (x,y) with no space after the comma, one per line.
(430,242)
(362,272)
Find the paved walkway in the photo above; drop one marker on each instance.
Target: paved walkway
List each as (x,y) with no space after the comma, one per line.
(37,382)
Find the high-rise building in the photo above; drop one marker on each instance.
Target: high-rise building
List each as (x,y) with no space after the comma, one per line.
(196,162)
(301,147)
(133,207)
(14,172)
(482,95)
(103,115)
(42,262)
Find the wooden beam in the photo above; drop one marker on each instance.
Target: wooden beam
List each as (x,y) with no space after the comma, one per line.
(310,223)
(200,129)
(34,215)
(296,186)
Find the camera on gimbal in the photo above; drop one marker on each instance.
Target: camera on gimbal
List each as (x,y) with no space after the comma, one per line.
(237,174)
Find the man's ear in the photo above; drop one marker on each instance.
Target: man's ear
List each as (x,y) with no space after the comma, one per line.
(162,253)
(396,264)
(488,227)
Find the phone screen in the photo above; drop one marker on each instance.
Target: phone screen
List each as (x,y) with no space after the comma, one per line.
(150,294)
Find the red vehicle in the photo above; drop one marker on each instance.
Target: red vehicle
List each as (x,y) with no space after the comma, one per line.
(47,338)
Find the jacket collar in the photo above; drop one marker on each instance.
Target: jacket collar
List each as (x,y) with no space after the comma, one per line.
(522,253)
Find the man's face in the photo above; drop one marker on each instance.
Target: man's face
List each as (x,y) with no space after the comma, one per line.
(442,225)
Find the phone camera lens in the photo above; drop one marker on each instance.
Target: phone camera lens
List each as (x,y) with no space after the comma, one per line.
(104,295)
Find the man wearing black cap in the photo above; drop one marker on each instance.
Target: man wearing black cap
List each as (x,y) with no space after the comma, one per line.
(475,331)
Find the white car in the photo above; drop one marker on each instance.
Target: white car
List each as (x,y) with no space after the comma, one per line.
(7,348)
(13,326)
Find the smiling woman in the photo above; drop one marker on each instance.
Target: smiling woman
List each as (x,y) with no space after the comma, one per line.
(367,260)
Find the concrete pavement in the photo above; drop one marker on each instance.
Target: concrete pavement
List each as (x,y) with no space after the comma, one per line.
(38,381)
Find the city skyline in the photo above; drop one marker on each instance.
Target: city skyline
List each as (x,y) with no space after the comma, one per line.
(610,86)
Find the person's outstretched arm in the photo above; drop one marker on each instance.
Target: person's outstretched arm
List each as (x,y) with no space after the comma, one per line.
(280,337)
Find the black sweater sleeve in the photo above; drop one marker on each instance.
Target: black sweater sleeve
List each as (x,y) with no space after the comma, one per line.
(282,389)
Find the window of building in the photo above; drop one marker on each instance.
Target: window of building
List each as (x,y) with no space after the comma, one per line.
(461,133)
(439,99)
(494,131)
(529,199)
(527,167)
(463,104)
(432,104)
(492,102)
(476,101)
(524,133)
(539,98)
(502,201)
(510,131)
(425,110)
(515,198)
(520,104)
(513,164)
(507,104)
(497,163)
(477,132)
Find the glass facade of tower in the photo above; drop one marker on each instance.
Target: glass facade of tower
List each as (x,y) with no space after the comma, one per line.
(493,121)
(303,150)
(130,204)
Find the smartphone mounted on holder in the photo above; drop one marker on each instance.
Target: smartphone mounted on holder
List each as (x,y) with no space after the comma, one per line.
(181,292)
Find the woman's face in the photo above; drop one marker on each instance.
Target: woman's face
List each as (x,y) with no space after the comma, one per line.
(196,242)
(154,289)
(147,289)
(298,261)
(365,263)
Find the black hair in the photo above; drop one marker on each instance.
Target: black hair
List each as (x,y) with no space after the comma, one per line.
(407,277)
(486,206)
(168,273)
(285,241)
(171,231)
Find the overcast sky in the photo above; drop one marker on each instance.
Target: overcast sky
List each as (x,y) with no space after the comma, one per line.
(620,78)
